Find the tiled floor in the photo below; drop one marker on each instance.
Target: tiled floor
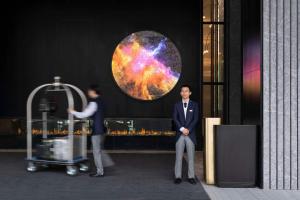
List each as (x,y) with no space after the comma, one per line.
(217,193)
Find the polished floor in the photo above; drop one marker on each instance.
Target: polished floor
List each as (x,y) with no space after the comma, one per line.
(138,175)
(135,176)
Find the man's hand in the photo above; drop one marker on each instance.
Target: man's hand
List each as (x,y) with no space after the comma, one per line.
(185,131)
(70,110)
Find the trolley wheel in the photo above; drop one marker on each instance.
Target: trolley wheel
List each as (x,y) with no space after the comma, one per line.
(31,167)
(72,170)
(84,167)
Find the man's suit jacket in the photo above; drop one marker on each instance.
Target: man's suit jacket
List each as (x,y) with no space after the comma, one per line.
(98,127)
(189,122)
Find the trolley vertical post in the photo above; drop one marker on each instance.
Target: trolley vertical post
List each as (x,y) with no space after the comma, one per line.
(29,119)
(84,128)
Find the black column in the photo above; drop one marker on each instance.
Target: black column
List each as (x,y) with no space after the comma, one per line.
(233,62)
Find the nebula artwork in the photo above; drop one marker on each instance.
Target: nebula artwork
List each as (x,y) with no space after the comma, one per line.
(146,65)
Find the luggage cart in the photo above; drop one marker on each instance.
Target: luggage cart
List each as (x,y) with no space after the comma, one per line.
(70,160)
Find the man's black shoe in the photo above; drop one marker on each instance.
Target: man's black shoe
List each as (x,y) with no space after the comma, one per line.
(192,181)
(96,174)
(177,181)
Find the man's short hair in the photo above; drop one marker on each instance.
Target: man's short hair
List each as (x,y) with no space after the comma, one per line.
(95,88)
(186,85)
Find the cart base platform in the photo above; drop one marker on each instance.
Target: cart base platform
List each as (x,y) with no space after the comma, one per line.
(57,162)
(71,166)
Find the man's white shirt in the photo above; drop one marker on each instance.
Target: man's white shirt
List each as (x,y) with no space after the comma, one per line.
(184,110)
(88,111)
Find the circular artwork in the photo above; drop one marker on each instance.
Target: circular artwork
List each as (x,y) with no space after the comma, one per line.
(146,65)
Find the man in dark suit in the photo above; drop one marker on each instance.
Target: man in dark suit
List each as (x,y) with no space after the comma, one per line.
(185,117)
(95,110)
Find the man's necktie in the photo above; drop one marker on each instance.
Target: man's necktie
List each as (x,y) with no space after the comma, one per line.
(185,104)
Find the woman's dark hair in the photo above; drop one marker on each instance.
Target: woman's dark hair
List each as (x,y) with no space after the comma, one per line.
(186,85)
(95,88)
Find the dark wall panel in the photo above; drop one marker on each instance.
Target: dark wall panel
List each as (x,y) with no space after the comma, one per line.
(251,62)
(233,61)
(76,40)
